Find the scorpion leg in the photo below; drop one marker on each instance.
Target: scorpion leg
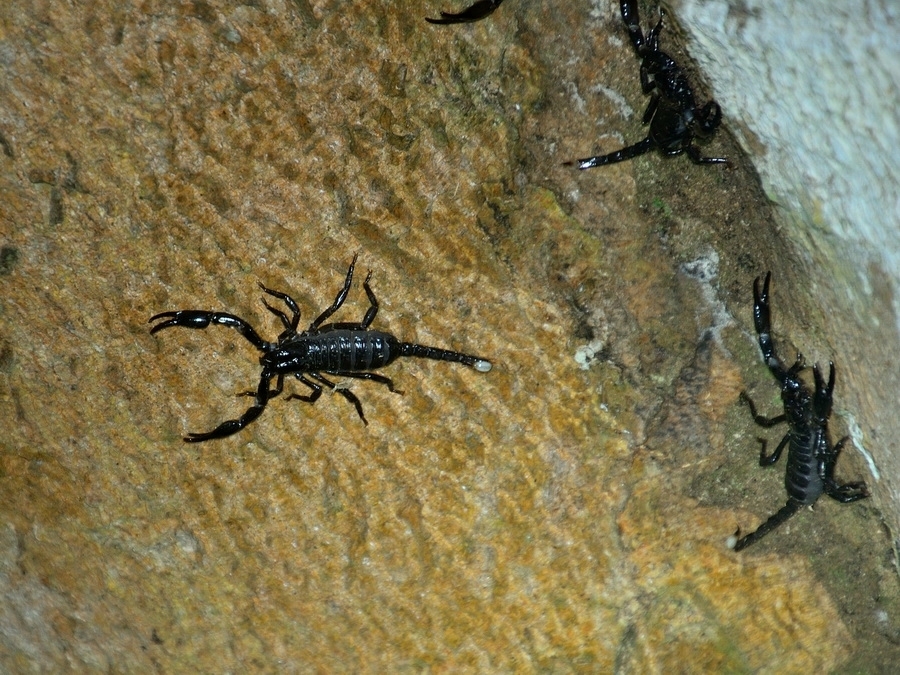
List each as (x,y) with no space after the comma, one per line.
(478,10)
(630,152)
(233,426)
(769,460)
(339,300)
(289,325)
(774,521)
(759,419)
(317,392)
(767,422)
(846,492)
(652,105)
(694,153)
(195,318)
(373,306)
(373,377)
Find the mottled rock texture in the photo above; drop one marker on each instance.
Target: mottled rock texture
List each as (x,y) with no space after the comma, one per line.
(566,512)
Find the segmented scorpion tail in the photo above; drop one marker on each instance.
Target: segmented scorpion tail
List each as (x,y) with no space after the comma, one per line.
(425,352)
(479,10)
(630,152)
(774,521)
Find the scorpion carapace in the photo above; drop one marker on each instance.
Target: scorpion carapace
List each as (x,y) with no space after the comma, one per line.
(672,112)
(476,12)
(339,349)
(811,456)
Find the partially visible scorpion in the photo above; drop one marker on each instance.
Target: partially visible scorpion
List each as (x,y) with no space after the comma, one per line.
(672,112)
(811,456)
(476,12)
(339,349)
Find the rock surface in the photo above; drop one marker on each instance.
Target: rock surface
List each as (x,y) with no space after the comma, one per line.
(566,512)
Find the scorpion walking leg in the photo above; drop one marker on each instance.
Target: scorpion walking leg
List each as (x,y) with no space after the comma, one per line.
(373,304)
(289,325)
(195,318)
(374,377)
(233,426)
(764,459)
(846,492)
(694,153)
(317,392)
(774,521)
(759,419)
(339,300)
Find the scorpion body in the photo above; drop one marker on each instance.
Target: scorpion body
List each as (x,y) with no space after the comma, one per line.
(476,12)
(811,456)
(340,349)
(672,112)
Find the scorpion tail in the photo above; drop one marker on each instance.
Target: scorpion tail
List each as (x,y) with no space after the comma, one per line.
(630,152)
(479,10)
(774,521)
(425,352)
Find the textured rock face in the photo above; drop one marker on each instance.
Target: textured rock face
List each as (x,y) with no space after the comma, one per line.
(567,511)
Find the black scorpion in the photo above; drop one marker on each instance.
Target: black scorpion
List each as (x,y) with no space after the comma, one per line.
(811,456)
(476,12)
(339,349)
(672,111)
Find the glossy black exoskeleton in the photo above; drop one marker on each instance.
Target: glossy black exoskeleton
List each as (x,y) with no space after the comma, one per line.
(672,112)
(811,457)
(339,349)
(477,11)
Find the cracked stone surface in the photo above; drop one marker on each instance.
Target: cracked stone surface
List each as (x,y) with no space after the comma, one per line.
(566,512)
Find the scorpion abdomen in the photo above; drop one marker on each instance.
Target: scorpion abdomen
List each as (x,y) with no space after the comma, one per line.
(334,350)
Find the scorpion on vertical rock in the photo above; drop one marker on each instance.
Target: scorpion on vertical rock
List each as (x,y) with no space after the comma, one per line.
(811,457)
(672,112)
(339,349)
(476,12)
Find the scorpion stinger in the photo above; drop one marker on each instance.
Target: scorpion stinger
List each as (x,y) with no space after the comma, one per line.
(811,457)
(349,349)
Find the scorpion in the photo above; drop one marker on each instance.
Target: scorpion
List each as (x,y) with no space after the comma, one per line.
(672,112)
(476,12)
(339,349)
(811,457)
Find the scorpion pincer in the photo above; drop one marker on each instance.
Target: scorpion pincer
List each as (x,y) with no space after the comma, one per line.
(339,349)
(811,456)
(672,112)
